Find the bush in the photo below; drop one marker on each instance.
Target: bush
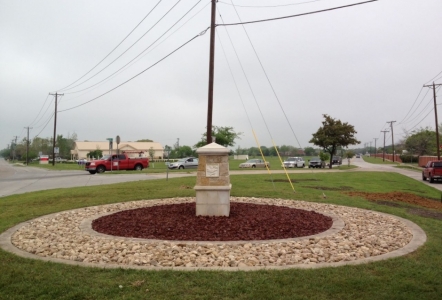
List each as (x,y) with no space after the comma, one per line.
(409,158)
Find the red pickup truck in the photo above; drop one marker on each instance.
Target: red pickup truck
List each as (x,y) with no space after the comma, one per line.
(433,171)
(116,162)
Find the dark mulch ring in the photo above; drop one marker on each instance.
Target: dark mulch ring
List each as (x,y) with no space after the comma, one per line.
(246,222)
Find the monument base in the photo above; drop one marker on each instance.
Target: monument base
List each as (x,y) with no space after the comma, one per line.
(213,200)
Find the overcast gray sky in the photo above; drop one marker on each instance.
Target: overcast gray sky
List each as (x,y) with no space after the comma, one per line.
(365,65)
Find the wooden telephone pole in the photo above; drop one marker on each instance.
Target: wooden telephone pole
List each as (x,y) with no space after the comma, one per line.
(55,127)
(383,150)
(27,145)
(433,86)
(211,73)
(392,137)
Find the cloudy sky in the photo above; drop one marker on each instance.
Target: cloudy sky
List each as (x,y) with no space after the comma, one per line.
(364,64)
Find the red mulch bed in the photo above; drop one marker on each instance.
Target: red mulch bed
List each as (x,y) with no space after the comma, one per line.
(246,222)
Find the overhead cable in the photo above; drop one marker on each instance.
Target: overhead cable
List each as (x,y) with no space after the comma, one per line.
(39,111)
(137,55)
(133,77)
(127,48)
(268,80)
(419,121)
(297,15)
(45,125)
(113,49)
(267,6)
(433,77)
(412,105)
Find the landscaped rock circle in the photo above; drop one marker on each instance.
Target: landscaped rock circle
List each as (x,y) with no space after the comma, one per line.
(68,236)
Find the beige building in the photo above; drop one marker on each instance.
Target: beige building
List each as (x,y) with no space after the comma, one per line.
(81,149)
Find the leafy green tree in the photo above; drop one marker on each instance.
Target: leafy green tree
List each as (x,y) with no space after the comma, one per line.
(422,142)
(324,157)
(96,153)
(151,153)
(349,154)
(167,151)
(265,151)
(225,136)
(272,151)
(144,140)
(182,151)
(253,151)
(309,151)
(334,134)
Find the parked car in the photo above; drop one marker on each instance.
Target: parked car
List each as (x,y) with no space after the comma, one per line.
(316,162)
(432,170)
(184,163)
(337,160)
(294,162)
(255,163)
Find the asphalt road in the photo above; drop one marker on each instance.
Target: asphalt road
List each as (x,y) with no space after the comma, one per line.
(22,179)
(19,179)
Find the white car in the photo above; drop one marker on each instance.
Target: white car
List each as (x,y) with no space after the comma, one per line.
(294,162)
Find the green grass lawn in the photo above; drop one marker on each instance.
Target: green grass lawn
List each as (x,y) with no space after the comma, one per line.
(414,276)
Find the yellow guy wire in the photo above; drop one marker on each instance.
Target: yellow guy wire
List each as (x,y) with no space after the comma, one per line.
(262,155)
(282,163)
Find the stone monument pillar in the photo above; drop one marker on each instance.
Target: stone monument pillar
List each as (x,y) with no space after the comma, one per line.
(213,181)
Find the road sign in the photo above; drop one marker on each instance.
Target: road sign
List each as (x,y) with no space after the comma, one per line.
(56,150)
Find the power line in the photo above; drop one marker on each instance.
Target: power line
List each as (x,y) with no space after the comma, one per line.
(433,77)
(45,125)
(419,121)
(418,114)
(114,48)
(139,53)
(151,66)
(40,110)
(298,15)
(125,50)
(433,87)
(268,80)
(267,6)
(137,58)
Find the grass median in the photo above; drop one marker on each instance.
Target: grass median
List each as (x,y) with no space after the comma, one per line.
(414,276)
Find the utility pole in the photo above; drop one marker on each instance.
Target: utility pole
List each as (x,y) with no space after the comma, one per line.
(433,86)
(55,127)
(27,144)
(375,149)
(211,73)
(15,147)
(369,150)
(383,152)
(392,136)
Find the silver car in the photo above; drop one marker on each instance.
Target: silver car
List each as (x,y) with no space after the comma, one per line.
(255,163)
(184,163)
(294,162)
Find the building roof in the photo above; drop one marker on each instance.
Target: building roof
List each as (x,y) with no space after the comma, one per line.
(123,145)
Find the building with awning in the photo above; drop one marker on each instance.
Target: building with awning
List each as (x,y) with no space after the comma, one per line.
(132,149)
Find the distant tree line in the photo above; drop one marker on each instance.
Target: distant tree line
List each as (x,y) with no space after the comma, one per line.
(43,145)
